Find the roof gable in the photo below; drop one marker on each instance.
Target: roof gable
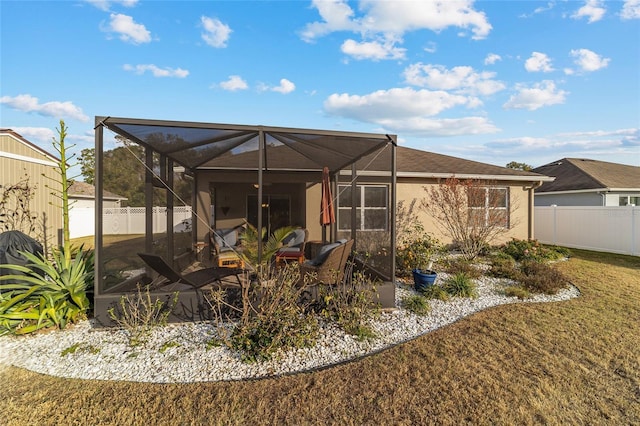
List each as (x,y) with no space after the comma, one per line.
(575,174)
(31,153)
(79,189)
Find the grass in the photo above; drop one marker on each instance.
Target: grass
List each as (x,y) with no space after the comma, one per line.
(574,362)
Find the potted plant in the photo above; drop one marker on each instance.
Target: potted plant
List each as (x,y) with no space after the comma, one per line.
(423,275)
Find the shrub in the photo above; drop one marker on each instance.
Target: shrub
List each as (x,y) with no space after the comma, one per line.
(532,250)
(417,304)
(49,294)
(460,285)
(435,292)
(350,305)
(541,278)
(457,264)
(517,291)
(504,266)
(416,248)
(138,314)
(274,317)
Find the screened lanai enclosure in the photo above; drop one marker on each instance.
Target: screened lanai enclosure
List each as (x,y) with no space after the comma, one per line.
(191,179)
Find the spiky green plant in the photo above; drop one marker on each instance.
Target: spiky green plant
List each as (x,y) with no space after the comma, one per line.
(460,285)
(51,293)
(249,240)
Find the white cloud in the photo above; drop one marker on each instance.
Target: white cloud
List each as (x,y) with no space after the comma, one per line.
(630,9)
(592,10)
(43,134)
(393,104)
(285,87)
(106,4)
(492,58)
(541,94)
(538,62)
(431,47)
(589,61)
(61,110)
(235,82)
(372,50)
(129,30)
(462,79)
(550,5)
(336,16)
(440,126)
(405,110)
(388,21)
(594,144)
(156,71)
(216,34)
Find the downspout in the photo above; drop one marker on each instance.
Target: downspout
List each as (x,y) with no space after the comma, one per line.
(530,209)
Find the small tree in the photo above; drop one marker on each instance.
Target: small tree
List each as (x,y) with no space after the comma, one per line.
(519,166)
(471,212)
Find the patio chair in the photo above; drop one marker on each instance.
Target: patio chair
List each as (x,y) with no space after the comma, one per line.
(195,279)
(293,249)
(329,264)
(226,247)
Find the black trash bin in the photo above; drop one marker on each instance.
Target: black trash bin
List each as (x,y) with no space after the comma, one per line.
(11,244)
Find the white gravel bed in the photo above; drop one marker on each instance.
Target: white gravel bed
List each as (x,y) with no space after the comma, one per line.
(180,353)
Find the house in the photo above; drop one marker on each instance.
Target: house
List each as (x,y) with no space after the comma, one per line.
(83,194)
(418,171)
(24,164)
(585,182)
(272,177)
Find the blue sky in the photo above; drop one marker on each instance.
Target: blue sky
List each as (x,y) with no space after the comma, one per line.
(491,81)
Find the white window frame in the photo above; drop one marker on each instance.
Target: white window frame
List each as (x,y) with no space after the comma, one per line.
(363,208)
(487,208)
(627,199)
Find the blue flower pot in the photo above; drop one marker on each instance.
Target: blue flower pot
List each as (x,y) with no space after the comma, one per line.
(423,278)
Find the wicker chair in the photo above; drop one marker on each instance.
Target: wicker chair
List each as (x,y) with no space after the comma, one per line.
(329,265)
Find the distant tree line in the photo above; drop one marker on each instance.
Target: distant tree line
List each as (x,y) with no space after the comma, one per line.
(124,174)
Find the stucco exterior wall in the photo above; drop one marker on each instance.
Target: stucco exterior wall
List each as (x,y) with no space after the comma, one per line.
(410,191)
(18,160)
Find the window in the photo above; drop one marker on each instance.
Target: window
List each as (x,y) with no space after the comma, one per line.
(488,206)
(628,200)
(371,207)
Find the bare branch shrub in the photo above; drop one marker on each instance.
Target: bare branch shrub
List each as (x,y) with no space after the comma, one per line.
(472,212)
(138,314)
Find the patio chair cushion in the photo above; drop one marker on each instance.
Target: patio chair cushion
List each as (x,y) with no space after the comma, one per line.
(322,254)
(295,239)
(225,239)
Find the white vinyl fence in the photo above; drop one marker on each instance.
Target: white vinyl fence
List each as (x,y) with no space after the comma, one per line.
(609,229)
(125,220)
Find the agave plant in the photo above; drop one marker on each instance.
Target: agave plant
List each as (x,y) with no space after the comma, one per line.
(51,293)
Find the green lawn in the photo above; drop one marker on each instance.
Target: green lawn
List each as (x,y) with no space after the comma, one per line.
(573,362)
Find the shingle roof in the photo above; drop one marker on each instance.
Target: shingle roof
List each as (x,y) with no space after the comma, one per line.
(417,161)
(412,162)
(574,174)
(85,190)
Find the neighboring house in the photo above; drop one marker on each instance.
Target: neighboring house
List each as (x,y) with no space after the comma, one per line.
(23,162)
(584,182)
(83,194)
